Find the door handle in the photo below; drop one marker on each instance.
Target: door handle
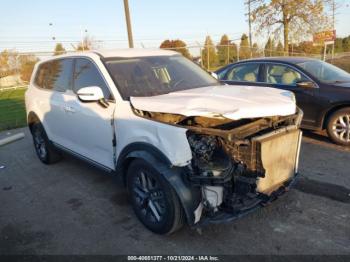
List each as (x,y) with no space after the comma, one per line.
(69,109)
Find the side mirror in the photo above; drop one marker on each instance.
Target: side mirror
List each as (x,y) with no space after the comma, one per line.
(214,75)
(90,94)
(306,84)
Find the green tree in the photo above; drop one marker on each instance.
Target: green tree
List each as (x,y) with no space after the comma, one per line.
(346,44)
(270,47)
(178,46)
(244,48)
(59,49)
(302,16)
(209,56)
(227,51)
(338,45)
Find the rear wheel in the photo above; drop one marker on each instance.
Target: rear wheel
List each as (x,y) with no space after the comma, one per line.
(44,150)
(153,199)
(338,127)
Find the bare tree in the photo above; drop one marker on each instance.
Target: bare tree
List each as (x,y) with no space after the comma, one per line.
(88,43)
(288,16)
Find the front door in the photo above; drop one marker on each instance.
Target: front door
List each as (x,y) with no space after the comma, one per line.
(90,123)
(285,77)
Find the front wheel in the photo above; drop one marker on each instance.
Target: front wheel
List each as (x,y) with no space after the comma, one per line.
(153,199)
(338,127)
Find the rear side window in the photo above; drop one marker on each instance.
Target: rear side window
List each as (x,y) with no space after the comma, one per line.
(41,75)
(243,73)
(86,74)
(55,75)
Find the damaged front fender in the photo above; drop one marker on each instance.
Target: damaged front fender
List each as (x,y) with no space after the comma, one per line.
(236,164)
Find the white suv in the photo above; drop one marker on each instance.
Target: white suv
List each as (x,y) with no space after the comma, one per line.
(187,147)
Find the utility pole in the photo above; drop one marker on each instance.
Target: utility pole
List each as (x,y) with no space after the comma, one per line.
(249,3)
(128,23)
(333,10)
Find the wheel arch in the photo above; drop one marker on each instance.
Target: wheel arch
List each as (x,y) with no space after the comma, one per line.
(140,150)
(331,111)
(32,118)
(188,196)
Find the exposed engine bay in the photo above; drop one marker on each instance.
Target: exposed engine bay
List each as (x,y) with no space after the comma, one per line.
(237,164)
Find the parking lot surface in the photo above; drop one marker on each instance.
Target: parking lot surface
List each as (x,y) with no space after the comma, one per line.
(72,208)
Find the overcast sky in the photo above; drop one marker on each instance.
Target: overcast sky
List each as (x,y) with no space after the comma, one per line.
(25,25)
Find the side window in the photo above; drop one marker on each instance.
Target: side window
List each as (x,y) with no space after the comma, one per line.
(55,75)
(223,73)
(41,75)
(244,73)
(60,75)
(86,74)
(283,75)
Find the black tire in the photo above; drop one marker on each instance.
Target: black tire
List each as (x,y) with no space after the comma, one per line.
(43,148)
(338,127)
(154,201)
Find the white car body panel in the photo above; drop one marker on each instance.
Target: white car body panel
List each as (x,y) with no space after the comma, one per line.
(88,129)
(170,140)
(233,102)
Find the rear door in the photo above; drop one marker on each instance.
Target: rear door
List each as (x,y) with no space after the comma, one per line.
(285,77)
(54,78)
(89,124)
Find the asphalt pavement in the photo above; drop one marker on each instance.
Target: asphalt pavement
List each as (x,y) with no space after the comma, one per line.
(71,208)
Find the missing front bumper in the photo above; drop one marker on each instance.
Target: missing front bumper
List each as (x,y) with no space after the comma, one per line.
(275,160)
(222,217)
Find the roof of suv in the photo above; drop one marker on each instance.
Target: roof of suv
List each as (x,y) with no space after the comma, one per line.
(124,53)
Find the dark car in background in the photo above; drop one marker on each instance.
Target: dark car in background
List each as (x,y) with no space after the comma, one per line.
(322,90)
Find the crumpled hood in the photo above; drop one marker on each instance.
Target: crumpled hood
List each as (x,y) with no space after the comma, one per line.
(233,102)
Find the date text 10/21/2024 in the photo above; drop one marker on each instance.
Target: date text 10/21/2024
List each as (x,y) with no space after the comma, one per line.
(173,258)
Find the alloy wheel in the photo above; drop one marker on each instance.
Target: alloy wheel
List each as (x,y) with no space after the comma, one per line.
(341,128)
(40,145)
(149,197)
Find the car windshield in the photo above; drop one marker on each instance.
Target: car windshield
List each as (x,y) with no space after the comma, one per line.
(325,72)
(156,75)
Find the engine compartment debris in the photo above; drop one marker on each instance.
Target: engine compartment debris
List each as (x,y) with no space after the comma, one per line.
(233,160)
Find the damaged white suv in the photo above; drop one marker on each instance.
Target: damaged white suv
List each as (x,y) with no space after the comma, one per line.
(187,147)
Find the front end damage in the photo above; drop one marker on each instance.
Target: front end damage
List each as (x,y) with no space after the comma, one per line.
(237,165)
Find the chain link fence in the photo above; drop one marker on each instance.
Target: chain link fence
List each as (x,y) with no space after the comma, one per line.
(14,80)
(212,57)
